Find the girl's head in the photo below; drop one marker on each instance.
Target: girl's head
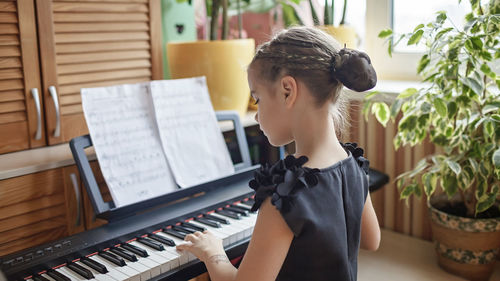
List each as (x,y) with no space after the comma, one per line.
(304,59)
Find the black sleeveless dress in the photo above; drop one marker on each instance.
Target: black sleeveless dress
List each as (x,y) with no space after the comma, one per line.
(323,209)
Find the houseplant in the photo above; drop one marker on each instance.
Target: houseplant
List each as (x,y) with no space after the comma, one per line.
(458,110)
(223,62)
(310,13)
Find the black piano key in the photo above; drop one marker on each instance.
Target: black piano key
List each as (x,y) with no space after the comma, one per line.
(229,214)
(150,243)
(208,222)
(214,218)
(82,271)
(192,226)
(57,275)
(248,203)
(112,258)
(237,211)
(174,233)
(124,254)
(184,229)
(164,240)
(136,250)
(99,267)
(242,207)
(37,277)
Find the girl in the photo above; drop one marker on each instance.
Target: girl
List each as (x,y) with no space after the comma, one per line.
(315,210)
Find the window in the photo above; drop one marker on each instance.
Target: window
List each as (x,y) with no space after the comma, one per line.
(402,16)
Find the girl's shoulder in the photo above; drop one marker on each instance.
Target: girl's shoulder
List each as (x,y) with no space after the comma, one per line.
(284,178)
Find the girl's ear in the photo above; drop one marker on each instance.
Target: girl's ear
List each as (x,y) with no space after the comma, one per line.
(288,90)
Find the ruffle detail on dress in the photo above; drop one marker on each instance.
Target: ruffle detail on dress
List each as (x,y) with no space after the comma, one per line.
(357,153)
(281,180)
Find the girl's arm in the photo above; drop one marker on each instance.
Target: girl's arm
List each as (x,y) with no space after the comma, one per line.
(264,257)
(370,230)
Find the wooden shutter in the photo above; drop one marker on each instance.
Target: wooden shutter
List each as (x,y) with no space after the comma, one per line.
(19,74)
(90,43)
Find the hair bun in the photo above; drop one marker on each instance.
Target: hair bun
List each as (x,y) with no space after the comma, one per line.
(354,69)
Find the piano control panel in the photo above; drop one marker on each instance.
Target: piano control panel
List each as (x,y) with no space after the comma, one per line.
(37,253)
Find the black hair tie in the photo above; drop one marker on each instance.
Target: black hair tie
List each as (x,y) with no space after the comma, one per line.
(354,69)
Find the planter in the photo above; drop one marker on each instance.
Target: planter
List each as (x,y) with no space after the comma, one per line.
(464,246)
(224,63)
(344,34)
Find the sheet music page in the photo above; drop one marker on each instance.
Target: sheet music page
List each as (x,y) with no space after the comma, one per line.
(191,138)
(122,125)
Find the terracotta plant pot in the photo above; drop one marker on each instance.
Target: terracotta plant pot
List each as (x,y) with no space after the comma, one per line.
(344,34)
(224,63)
(464,246)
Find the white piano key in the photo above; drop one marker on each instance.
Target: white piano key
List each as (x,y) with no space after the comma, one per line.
(154,267)
(70,274)
(97,275)
(237,226)
(160,257)
(218,232)
(227,235)
(126,273)
(144,271)
(45,275)
(183,256)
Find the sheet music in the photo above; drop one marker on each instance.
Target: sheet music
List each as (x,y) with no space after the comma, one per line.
(122,125)
(191,138)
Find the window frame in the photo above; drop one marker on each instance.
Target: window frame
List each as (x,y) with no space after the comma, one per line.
(401,66)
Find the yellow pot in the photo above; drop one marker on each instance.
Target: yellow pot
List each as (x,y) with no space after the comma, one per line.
(224,63)
(344,34)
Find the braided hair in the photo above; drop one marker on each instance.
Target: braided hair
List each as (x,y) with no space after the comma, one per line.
(315,58)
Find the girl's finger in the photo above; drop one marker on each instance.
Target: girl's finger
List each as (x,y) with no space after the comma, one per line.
(184,246)
(190,237)
(197,234)
(205,231)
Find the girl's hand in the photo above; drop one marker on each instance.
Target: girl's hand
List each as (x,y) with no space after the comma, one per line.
(203,245)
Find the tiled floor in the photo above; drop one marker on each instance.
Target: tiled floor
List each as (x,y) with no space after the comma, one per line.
(404,258)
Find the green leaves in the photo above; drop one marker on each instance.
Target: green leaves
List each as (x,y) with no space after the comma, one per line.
(407,93)
(458,107)
(441,107)
(496,159)
(381,111)
(415,38)
(384,33)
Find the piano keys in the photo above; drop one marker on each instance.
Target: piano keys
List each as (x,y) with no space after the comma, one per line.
(142,247)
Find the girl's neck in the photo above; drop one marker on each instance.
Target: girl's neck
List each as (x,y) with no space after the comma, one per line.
(316,139)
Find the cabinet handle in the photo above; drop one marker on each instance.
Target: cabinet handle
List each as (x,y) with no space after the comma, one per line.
(36,97)
(76,187)
(53,94)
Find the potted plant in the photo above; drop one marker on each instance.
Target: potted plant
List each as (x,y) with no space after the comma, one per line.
(299,12)
(458,110)
(222,61)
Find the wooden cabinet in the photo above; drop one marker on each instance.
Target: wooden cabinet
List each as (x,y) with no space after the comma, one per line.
(21,104)
(81,44)
(38,208)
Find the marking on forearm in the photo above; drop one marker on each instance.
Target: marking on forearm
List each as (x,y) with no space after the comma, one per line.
(218,259)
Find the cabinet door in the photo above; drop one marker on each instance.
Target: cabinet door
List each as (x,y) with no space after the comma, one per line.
(21,106)
(74,202)
(92,44)
(32,210)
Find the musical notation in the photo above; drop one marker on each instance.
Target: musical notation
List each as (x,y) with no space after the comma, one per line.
(149,137)
(126,141)
(190,135)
